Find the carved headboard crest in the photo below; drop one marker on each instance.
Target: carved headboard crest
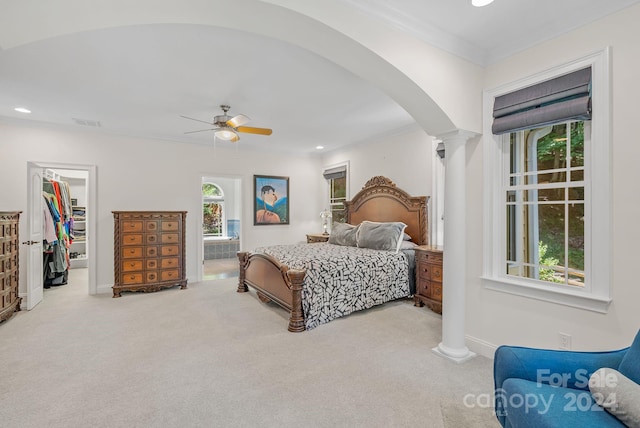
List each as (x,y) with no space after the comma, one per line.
(379,181)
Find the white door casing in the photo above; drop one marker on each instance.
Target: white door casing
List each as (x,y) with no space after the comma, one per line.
(34,237)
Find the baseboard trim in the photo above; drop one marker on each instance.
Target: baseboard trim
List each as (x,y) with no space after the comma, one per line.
(104,289)
(481,347)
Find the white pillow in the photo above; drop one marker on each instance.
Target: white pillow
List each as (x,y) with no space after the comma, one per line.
(380,236)
(617,394)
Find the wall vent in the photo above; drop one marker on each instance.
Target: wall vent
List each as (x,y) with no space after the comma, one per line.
(87,122)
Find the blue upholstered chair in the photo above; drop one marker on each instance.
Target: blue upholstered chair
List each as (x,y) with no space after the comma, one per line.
(544,388)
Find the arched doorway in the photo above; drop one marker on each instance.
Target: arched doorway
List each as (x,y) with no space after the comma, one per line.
(221,215)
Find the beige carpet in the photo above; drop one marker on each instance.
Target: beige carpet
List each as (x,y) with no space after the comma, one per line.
(210,357)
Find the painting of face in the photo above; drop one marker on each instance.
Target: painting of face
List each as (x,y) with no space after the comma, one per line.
(271,202)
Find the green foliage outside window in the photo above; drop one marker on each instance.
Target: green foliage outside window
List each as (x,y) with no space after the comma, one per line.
(552,154)
(212,211)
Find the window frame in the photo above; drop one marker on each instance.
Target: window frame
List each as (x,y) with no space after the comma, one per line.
(596,294)
(219,200)
(327,192)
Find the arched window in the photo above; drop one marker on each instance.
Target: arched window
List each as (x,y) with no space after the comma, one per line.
(213,210)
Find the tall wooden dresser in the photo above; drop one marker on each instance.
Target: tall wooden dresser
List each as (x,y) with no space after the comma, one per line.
(149,250)
(9,269)
(429,277)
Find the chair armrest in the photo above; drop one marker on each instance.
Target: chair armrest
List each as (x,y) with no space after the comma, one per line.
(569,369)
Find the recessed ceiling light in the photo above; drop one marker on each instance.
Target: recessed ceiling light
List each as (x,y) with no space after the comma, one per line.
(480,3)
(22,110)
(319,147)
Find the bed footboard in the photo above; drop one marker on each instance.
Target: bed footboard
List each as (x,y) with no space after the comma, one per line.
(273,281)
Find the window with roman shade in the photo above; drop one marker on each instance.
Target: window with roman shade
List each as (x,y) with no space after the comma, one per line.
(546,186)
(553,101)
(337,180)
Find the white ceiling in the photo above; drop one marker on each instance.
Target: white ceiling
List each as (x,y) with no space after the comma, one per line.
(139,80)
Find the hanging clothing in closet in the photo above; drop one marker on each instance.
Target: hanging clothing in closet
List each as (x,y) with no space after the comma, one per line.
(58,232)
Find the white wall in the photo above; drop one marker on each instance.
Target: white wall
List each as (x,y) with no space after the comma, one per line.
(405,159)
(495,318)
(144,174)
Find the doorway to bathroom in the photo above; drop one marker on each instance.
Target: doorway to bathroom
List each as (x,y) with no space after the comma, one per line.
(221,214)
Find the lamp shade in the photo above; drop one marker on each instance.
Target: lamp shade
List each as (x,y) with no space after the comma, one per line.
(227,134)
(480,3)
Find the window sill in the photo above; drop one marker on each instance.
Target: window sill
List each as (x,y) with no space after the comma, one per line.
(576,299)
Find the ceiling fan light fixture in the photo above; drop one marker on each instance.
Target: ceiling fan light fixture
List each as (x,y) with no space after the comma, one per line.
(226,134)
(480,3)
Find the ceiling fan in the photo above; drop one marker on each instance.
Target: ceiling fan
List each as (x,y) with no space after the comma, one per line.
(227,127)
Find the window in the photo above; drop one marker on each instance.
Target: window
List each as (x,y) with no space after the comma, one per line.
(547,198)
(337,183)
(212,210)
(544,200)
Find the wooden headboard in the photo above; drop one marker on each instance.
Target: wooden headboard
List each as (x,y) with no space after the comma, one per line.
(380,200)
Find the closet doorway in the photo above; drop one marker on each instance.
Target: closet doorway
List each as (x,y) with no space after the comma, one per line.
(49,181)
(221,232)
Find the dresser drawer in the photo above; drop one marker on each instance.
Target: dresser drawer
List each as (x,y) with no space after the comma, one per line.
(151,239)
(168,225)
(423,288)
(132,253)
(132,265)
(172,262)
(169,250)
(152,264)
(152,276)
(424,271)
(151,251)
(132,278)
(168,275)
(150,226)
(132,239)
(436,291)
(428,257)
(131,226)
(169,238)
(436,273)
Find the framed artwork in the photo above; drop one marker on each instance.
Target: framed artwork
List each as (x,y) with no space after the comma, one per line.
(271,200)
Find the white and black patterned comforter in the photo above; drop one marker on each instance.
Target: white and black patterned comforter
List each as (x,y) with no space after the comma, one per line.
(340,280)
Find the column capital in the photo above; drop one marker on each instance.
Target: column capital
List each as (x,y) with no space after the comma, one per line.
(460,135)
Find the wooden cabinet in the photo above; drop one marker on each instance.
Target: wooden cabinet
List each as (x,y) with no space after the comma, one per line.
(9,269)
(429,277)
(316,237)
(149,250)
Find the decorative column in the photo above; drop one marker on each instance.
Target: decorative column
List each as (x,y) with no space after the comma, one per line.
(454,264)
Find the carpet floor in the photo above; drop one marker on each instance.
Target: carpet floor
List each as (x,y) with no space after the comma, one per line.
(210,357)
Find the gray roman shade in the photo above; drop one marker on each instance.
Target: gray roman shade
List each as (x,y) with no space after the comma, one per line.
(557,100)
(337,172)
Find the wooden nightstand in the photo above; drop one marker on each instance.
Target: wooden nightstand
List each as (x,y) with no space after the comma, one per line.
(312,238)
(429,277)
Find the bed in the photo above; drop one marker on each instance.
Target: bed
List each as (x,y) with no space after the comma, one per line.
(292,276)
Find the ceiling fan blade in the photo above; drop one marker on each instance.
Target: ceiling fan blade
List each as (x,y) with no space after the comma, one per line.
(251,130)
(238,120)
(197,120)
(201,130)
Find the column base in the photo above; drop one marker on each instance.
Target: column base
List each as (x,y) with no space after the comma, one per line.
(456,355)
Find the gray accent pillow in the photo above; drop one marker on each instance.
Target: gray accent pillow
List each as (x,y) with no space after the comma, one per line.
(343,234)
(407,245)
(617,394)
(381,236)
